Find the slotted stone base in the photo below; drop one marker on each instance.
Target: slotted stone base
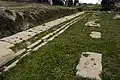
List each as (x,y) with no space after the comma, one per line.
(92,23)
(90,65)
(95,34)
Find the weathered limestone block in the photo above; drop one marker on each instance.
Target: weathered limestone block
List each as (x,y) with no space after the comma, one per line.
(90,65)
(95,34)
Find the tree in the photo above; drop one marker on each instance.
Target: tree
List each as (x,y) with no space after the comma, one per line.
(69,2)
(108,4)
(75,2)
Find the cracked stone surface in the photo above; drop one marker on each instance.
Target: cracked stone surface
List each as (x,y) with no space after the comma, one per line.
(5,51)
(92,23)
(95,34)
(90,65)
(24,35)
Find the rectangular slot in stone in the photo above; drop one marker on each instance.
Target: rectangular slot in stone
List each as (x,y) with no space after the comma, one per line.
(90,65)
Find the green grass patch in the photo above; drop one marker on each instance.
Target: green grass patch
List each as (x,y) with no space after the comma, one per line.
(111,47)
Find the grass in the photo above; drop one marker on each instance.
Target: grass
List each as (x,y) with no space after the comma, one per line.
(111,52)
(58,59)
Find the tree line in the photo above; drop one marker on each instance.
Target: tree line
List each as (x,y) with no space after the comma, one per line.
(109,4)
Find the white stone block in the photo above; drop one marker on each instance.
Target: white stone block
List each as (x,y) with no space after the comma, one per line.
(90,65)
(95,34)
